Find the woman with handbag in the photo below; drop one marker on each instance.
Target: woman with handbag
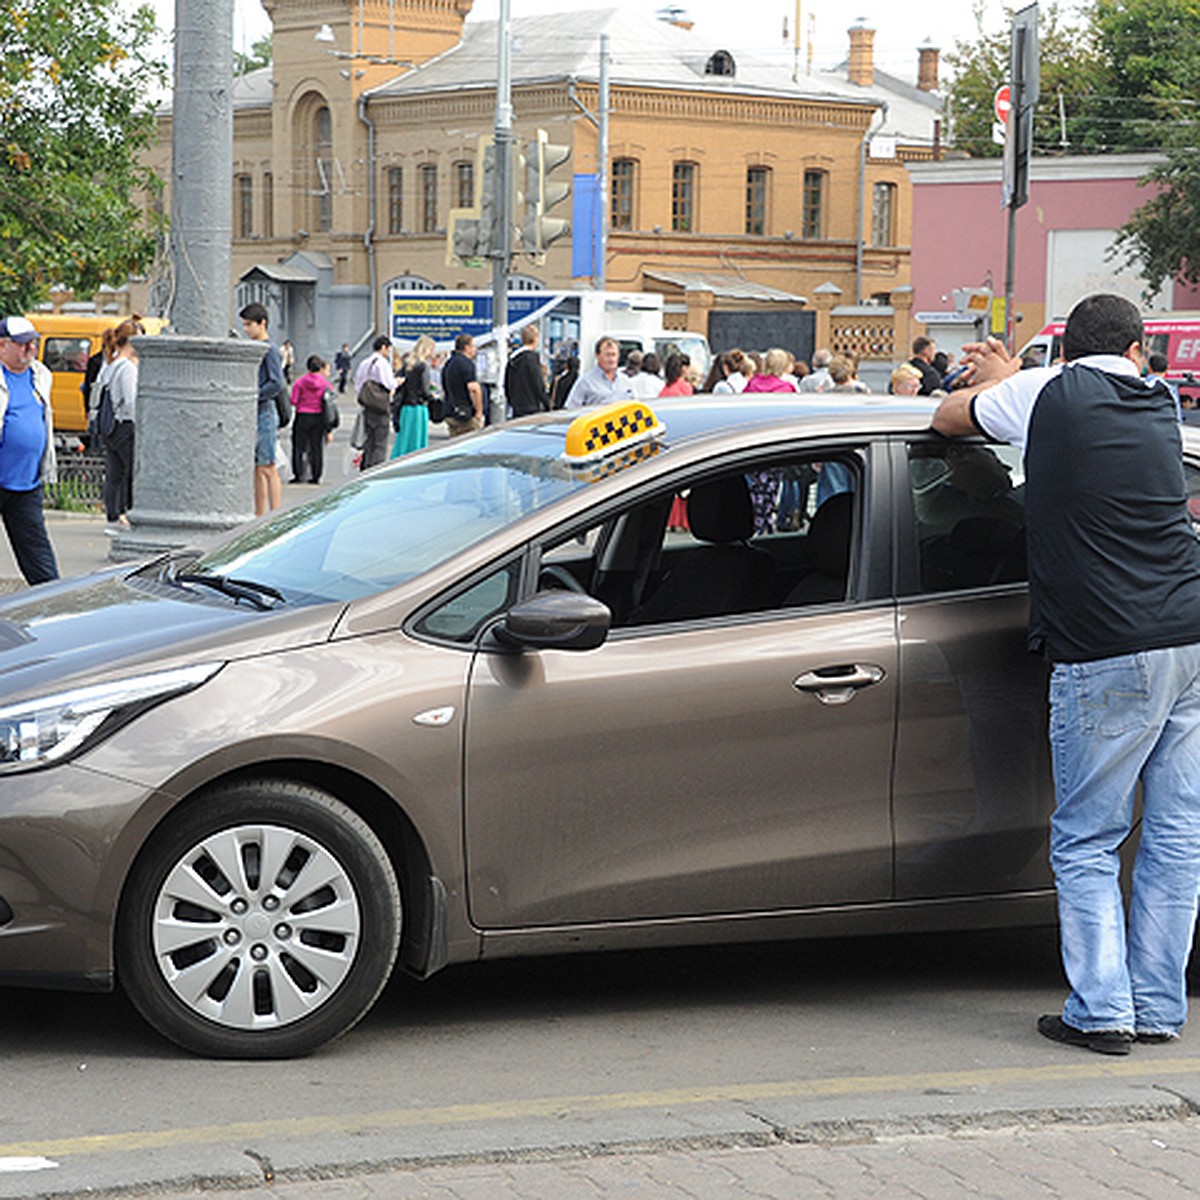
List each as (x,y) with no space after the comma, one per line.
(116,391)
(412,414)
(308,430)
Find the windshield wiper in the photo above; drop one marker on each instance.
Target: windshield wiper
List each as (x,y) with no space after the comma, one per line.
(239,589)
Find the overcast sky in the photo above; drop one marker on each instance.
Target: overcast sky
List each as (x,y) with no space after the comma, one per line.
(900,26)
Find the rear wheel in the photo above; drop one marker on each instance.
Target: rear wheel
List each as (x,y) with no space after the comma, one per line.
(259,922)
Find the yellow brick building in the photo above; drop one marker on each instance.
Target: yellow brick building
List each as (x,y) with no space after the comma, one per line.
(730,184)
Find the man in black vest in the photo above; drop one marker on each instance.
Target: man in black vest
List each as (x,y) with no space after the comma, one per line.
(524,383)
(1114,579)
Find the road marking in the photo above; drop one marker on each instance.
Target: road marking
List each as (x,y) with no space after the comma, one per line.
(559,1107)
(25,1164)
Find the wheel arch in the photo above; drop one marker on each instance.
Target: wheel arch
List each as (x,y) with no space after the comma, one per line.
(424,940)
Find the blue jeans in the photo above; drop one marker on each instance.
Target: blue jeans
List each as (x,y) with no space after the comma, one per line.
(1112,722)
(25,524)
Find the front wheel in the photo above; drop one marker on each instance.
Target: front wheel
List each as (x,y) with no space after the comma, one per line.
(260,921)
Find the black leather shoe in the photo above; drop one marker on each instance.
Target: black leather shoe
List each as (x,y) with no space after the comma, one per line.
(1103,1041)
(1155,1039)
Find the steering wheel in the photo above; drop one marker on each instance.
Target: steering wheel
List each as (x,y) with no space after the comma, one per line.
(560,577)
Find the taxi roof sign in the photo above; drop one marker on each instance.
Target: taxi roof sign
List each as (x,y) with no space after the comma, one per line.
(598,432)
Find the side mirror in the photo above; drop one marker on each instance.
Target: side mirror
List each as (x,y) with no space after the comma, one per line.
(554,621)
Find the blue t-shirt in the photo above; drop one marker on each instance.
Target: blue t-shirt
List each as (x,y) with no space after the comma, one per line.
(23,439)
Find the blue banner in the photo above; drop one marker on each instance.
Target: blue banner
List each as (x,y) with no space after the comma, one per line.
(444,315)
(585,226)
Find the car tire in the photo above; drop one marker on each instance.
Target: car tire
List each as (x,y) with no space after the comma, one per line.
(259,921)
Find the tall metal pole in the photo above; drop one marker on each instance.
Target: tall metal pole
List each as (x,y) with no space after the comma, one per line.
(602,167)
(502,230)
(202,153)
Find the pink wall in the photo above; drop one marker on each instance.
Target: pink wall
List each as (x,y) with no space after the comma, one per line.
(960,234)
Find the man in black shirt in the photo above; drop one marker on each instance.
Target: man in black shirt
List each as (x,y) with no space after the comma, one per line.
(1114,582)
(524,383)
(462,392)
(924,349)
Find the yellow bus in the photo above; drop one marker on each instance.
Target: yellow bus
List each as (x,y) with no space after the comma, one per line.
(68,340)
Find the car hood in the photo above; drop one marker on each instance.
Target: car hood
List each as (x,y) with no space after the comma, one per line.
(104,625)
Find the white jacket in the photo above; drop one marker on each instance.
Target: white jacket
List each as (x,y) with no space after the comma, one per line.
(42,380)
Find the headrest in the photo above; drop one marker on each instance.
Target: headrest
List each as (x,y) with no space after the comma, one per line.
(829,535)
(721,510)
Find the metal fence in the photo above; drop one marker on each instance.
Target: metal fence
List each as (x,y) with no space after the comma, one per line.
(80,480)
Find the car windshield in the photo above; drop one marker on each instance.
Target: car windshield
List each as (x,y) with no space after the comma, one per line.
(393,524)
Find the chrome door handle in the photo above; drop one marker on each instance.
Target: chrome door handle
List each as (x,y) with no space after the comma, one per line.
(837,685)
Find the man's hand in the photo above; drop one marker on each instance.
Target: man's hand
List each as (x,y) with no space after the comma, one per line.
(988,362)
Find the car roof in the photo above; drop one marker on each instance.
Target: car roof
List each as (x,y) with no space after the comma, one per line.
(693,418)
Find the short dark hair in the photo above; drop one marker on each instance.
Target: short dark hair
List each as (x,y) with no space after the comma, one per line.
(382,342)
(1157,363)
(315,362)
(255,312)
(604,340)
(462,342)
(1102,324)
(921,344)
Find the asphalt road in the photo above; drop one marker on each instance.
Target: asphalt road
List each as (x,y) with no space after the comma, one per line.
(688,1053)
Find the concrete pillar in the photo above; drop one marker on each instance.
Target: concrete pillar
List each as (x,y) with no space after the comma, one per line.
(825,297)
(902,302)
(194,446)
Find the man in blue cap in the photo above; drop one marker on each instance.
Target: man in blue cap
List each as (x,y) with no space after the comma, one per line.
(26,449)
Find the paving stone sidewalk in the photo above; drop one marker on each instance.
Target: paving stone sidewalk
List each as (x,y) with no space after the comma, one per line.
(1151,1160)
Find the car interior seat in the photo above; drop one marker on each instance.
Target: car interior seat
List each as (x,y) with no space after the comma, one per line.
(829,553)
(724,574)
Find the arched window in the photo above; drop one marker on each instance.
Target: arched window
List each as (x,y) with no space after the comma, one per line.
(624,182)
(323,168)
(683,197)
(758,186)
(720,63)
(813,212)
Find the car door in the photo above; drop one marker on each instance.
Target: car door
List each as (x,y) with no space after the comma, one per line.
(701,763)
(973,791)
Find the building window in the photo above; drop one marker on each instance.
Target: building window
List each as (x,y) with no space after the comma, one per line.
(757,180)
(621,215)
(814,204)
(683,197)
(428,198)
(268,204)
(244,205)
(464,184)
(323,165)
(395,199)
(721,63)
(883,215)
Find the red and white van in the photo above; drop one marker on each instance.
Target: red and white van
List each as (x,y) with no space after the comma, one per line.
(1176,335)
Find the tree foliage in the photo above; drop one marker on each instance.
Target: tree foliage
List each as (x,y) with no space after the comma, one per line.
(1071,66)
(74,119)
(259,56)
(1124,78)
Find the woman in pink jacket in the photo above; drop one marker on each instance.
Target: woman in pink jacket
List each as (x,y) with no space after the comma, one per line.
(308,429)
(770,379)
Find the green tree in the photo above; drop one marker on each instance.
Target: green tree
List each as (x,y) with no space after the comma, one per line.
(1154,48)
(259,56)
(74,119)
(1072,72)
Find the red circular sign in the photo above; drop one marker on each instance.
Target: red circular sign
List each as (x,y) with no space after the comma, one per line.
(1003,103)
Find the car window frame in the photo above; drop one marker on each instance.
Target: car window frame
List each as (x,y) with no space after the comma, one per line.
(867,584)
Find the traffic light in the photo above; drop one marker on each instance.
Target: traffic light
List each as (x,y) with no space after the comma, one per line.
(469,230)
(543,194)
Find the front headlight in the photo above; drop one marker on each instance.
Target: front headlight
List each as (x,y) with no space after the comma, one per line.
(49,729)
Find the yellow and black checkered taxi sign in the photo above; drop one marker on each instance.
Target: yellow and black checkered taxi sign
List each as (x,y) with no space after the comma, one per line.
(599,432)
